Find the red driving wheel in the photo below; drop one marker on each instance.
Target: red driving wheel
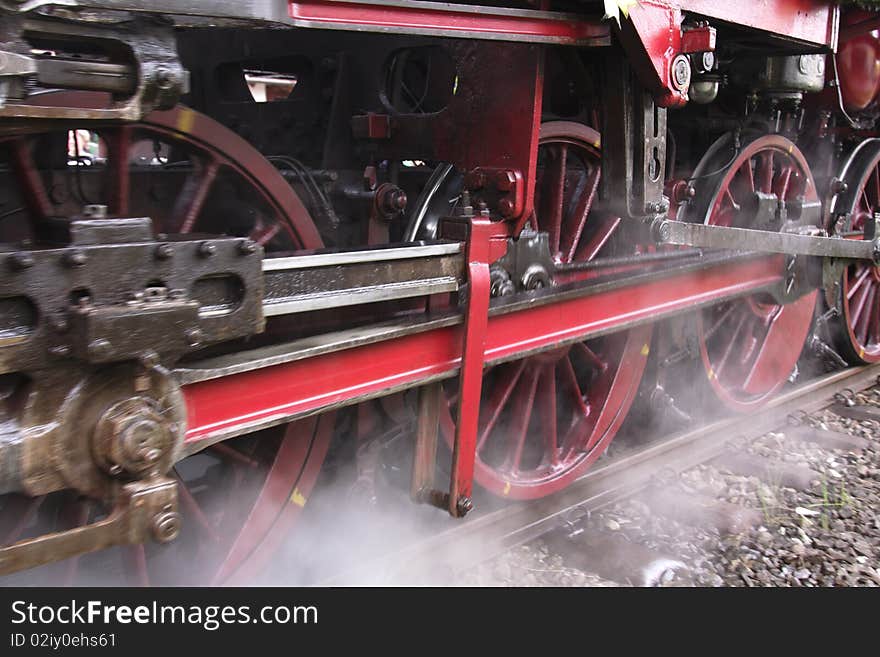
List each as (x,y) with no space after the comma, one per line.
(749,346)
(545,418)
(188,173)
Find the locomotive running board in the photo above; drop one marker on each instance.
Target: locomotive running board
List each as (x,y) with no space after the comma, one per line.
(746,239)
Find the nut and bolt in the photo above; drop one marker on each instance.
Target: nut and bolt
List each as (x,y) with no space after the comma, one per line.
(463,506)
(838,186)
(165,78)
(21,260)
(680,73)
(164,251)
(166,526)
(94,211)
(505,207)
(132,437)
(247,247)
(194,337)
(207,249)
(75,258)
(100,348)
(505,180)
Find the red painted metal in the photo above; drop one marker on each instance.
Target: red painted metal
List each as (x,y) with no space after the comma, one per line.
(511,105)
(809,21)
(469,389)
(219,406)
(699,39)
(860,291)
(652,39)
(447,19)
(858,59)
(749,346)
(546,418)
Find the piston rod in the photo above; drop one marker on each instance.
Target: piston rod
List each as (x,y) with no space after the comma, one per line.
(746,239)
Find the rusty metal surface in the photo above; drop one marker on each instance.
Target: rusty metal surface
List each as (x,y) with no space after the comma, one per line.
(150,71)
(143,510)
(123,299)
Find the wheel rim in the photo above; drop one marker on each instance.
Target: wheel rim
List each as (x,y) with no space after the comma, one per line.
(234,518)
(545,418)
(749,346)
(857,327)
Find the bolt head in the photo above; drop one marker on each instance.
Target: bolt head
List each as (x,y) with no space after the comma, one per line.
(247,247)
(164,251)
(680,73)
(505,180)
(505,207)
(75,258)
(22,260)
(194,337)
(94,211)
(166,526)
(207,249)
(99,348)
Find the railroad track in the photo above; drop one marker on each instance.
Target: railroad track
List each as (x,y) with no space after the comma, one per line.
(484,536)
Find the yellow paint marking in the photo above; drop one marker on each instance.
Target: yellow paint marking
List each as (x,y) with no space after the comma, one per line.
(297,498)
(645,350)
(506,487)
(861,351)
(185,120)
(711,374)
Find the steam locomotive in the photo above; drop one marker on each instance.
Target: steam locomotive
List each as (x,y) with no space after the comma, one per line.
(241,239)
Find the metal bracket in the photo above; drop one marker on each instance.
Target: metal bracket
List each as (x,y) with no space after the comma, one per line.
(143,509)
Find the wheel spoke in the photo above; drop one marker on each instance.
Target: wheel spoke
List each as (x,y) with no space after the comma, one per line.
(721,321)
(764,174)
(548,414)
(118,171)
(860,306)
(265,234)
(590,248)
(78,517)
(194,194)
(578,221)
(33,190)
(591,356)
(498,400)
(864,323)
(233,454)
(524,402)
(720,366)
(136,571)
(553,194)
(570,380)
(25,516)
(193,508)
(860,280)
(782,182)
(875,317)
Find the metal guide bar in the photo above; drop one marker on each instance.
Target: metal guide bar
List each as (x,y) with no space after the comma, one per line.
(334,279)
(746,239)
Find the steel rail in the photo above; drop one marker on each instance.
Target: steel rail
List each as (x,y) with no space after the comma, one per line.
(483,536)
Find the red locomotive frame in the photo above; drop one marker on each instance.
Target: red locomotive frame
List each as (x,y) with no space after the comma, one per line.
(490,130)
